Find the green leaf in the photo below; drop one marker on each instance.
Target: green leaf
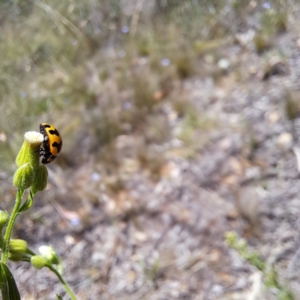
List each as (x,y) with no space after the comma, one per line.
(27,204)
(7,284)
(59,297)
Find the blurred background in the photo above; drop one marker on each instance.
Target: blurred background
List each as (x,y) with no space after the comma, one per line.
(179,122)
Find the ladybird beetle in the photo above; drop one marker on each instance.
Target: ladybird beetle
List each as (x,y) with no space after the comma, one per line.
(52,143)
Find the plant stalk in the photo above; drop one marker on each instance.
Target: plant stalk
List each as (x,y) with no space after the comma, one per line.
(64,283)
(10,226)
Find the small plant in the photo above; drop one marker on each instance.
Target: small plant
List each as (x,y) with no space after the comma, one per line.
(291,105)
(274,21)
(270,275)
(143,93)
(151,271)
(184,64)
(33,176)
(262,43)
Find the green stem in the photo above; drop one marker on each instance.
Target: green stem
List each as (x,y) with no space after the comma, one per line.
(30,252)
(64,283)
(10,225)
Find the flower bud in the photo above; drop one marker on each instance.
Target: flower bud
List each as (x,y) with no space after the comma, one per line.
(38,261)
(49,253)
(40,179)
(231,237)
(4,216)
(23,177)
(17,248)
(29,152)
(241,244)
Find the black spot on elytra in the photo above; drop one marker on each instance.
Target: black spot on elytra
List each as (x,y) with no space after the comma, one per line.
(54,132)
(56,145)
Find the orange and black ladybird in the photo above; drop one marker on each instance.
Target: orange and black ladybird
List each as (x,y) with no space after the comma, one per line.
(52,143)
